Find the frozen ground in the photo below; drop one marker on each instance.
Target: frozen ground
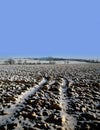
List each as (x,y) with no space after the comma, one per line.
(53,97)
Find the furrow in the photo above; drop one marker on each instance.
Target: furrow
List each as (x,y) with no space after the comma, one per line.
(20,103)
(68,121)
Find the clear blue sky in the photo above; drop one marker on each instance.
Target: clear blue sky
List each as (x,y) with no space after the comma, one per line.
(65,28)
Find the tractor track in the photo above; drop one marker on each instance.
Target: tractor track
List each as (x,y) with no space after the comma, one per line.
(68,122)
(20,103)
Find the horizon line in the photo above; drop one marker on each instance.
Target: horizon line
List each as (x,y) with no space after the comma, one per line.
(63,57)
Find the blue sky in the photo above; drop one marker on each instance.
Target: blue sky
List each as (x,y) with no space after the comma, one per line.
(60,28)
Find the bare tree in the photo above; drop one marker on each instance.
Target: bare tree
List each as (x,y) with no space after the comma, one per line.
(19,62)
(9,61)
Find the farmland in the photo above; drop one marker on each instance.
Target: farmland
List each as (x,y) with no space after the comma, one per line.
(50,97)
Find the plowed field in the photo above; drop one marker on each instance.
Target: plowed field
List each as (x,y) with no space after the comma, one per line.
(50,97)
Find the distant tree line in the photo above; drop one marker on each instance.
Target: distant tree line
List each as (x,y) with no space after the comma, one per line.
(9,62)
(65,59)
(50,60)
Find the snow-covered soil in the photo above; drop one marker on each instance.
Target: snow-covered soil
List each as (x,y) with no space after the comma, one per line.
(50,97)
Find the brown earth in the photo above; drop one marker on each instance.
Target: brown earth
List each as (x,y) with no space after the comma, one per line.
(50,97)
